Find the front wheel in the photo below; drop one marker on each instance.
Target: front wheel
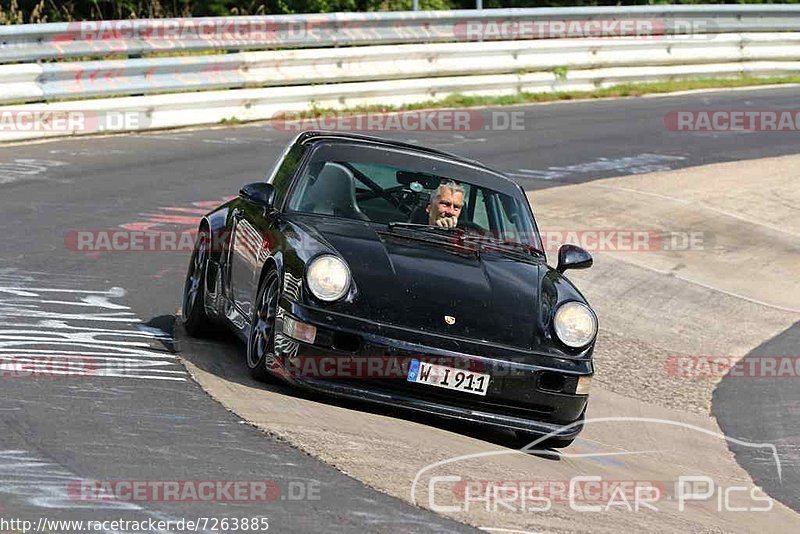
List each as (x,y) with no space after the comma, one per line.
(261,343)
(195,320)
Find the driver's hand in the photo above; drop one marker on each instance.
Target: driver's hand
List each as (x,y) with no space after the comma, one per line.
(446,222)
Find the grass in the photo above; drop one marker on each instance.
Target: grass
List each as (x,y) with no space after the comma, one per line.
(467,101)
(622,90)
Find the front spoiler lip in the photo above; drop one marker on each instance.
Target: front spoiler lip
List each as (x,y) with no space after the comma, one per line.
(432,406)
(519,358)
(396,400)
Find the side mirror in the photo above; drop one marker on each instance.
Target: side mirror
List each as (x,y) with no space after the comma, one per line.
(573,257)
(259,193)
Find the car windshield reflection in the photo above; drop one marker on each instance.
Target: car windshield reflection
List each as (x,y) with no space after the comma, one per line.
(413,191)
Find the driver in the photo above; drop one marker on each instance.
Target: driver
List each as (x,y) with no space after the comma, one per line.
(446,204)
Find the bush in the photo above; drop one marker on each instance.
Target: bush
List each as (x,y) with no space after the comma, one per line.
(34,11)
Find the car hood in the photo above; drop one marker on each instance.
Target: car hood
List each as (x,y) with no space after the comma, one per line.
(438,288)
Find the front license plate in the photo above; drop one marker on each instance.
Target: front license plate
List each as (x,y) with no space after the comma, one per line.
(448,377)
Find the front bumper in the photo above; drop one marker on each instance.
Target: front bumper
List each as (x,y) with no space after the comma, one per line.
(527,392)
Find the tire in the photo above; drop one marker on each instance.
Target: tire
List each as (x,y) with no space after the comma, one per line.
(195,320)
(261,342)
(552,443)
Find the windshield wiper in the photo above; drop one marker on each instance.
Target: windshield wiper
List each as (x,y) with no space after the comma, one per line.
(416,226)
(490,242)
(430,233)
(461,238)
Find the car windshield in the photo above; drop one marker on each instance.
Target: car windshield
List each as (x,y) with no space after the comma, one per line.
(395,187)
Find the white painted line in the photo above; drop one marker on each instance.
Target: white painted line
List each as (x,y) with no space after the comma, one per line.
(121,317)
(718,290)
(49,337)
(49,345)
(146,332)
(85,354)
(114,292)
(699,204)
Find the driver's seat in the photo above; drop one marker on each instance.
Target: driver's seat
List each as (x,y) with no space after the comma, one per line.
(333,193)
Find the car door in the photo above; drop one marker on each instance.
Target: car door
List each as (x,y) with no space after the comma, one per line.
(251,229)
(249,246)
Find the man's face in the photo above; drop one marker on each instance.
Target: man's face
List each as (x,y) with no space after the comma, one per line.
(445,209)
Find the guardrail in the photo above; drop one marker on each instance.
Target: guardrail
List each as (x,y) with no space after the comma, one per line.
(445,53)
(56,81)
(135,38)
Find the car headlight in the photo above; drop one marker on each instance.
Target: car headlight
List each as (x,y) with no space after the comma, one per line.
(575,324)
(328,278)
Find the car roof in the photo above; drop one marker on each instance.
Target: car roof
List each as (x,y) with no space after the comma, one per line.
(317,135)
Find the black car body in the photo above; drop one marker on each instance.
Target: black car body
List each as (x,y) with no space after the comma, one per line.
(415,293)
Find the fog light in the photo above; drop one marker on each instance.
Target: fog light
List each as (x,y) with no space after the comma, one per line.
(298,330)
(584,383)
(551,382)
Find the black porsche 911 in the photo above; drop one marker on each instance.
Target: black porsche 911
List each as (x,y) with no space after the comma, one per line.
(387,272)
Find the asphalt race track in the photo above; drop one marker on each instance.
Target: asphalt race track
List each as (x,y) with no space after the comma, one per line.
(140,416)
(767,410)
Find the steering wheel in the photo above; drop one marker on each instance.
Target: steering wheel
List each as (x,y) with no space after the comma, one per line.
(401,197)
(377,190)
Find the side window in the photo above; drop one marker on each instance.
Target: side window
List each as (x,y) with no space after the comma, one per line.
(281,175)
(515,225)
(383,175)
(505,216)
(480,215)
